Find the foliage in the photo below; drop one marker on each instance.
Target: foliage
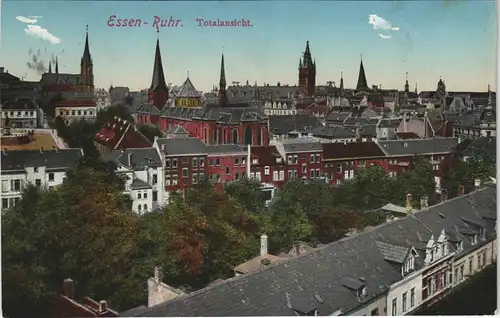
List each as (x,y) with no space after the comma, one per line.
(49,106)
(150,131)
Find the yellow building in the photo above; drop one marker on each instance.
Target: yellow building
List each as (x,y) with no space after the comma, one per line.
(188,96)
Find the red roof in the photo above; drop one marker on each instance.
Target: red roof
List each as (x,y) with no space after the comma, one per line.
(267,155)
(354,150)
(121,134)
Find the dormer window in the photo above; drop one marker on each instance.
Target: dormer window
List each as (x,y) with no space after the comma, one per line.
(474,239)
(482,233)
(255,161)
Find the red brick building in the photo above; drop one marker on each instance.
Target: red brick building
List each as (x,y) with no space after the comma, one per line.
(303,158)
(268,166)
(66,306)
(225,163)
(341,161)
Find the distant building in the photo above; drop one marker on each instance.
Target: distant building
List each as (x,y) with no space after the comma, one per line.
(21,113)
(42,167)
(119,134)
(76,109)
(188,95)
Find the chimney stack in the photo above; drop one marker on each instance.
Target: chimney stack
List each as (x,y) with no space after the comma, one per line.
(424,202)
(249,170)
(130,159)
(263,244)
(408,202)
(69,288)
(102,306)
(158,274)
(444,195)
(477,183)
(461,190)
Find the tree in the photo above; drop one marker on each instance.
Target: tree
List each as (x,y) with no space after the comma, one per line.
(247,193)
(80,230)
(150,131)
(419,181)
(49,107)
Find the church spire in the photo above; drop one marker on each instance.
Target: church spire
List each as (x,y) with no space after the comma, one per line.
(222,85)
(50,67)
(416,89)
(341,80)
(158,80)
(86,57)
(57,65)
(86,66)
(407,86)
(362,83)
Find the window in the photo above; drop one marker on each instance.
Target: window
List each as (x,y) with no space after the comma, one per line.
(211,162)
(471,264)
(295,159)
(38,182)
(236,176)
(201,162)
(339,168)
(304,168)
(201,177)
(194,162)
(311,173)
(217,162)
(394,306)
(145,207)
(167,163)
(5,204)
(5,186)
(167,180)
(155,196)
(139,208)
(282,175)
(139,195)
(317,173)
(174,163)
(195,179)
(16,185)
(228,171)
(412,297)
(145,195)
(404,301)
(236,161)
(374,312)
(184,172)
(275,175)
(266,170)
(35,169)
(461,273)
(311,159)
(184,161)
(474,239)
(289,159)
(318,158)
(155,179)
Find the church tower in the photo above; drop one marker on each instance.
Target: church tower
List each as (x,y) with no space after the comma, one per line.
(362,83)
(222,96)
(307,72)
(158,91)
(86,65)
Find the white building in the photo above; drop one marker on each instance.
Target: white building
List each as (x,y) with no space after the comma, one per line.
(145,178)
(76,109)
(280,107)
(38,167)
(21,113)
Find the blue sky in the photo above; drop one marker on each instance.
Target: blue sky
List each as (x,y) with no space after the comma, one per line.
(452,39)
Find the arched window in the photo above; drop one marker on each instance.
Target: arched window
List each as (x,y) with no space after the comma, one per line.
(216,136)
(145,207)
(235,136)
(259,136)
(139,208)
(248,135)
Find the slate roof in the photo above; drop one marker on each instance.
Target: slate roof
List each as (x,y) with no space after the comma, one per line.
(482,146)
(389,123)
(406,135)
(138,184)
(225,150)
(18,160)
(357,121)
(412,147)
(301,145)
(338,116)
(177,129)
(223,115)
(19,104)
(333,132)
(280,125)
(266,155)
(335,151)
(182,147)
(188,90)
(135,158)
(255,263)
(323,279)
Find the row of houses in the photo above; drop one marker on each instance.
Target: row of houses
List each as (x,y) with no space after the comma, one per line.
(393,269)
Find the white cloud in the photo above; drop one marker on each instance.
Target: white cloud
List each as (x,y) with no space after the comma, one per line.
(41,33)
(381,23)
(383,36)
(29,20)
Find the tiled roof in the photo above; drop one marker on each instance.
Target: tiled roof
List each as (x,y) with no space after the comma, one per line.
(51,159)
(179,147)
(188,90)
(353,150)
(121,134)
(301,145)
(412,147)
(266,155)
(135,158)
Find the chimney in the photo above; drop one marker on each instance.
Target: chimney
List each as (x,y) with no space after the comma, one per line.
(461,190)
(69,288)
(102,306)
(424,202)
(249,171)
(158,274)
(129,159)
(263,244)
(444,195)
(477,183)
(408,202)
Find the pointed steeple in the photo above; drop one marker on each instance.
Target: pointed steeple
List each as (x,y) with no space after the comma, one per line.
(308,51)
(50,67)
(158,80)
(300,63)
(362,83)
(57,65)
(341,80)
(86,57)
(407,86)
(223,102)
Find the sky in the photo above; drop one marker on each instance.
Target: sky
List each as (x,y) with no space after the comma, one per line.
(454,40)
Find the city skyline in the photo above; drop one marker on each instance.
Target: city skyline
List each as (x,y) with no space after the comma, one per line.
(455,41)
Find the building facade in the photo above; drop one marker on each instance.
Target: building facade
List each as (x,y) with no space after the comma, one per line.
(76,109)
(21,113)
